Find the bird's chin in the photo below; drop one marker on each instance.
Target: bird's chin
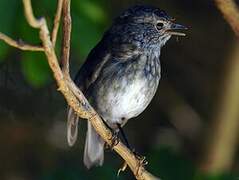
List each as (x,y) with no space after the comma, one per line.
(164,39)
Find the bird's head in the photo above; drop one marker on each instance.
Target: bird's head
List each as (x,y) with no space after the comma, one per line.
(146,25)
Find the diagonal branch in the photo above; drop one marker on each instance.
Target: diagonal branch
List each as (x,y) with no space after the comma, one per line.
(20,44)
(230,12)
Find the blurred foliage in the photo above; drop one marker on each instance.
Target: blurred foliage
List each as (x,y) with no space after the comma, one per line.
(7,17)
(164,162)
(35,68)
(89,21)
(171,166)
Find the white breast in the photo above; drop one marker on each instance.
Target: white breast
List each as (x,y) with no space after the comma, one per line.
(127,102)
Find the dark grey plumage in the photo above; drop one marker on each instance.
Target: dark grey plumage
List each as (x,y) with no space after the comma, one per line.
(122,73)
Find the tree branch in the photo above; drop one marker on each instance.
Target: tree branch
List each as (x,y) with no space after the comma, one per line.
(56,22)
(74,96)
(65,54)
(20,44)
(223,133)
(230,12)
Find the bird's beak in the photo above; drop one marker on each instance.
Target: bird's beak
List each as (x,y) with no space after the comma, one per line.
(173,29)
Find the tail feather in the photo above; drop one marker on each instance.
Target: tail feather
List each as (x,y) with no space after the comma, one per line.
(72,127)
(94,148)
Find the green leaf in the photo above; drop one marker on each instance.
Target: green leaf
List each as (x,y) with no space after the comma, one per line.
(85,35)
(89,21)
(35,69)
(91,9)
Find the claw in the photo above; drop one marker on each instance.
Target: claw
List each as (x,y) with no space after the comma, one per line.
(114,139)
(122,169)
(142,159)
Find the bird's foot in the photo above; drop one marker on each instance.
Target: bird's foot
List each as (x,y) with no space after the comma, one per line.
(141,163)
(114,140)
(142,159)
(122,168)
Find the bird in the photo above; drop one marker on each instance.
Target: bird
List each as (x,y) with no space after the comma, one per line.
(121,73)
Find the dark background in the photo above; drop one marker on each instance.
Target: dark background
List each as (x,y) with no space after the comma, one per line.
(171,132)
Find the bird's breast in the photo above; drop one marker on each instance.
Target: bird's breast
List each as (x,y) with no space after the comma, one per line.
(123,91)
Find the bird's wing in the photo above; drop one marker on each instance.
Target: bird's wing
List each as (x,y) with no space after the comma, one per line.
(99,56)
(87,74)
(89,71)
(125,51)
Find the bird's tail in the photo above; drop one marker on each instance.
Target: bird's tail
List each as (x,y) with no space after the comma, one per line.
(72,127)
(94,148)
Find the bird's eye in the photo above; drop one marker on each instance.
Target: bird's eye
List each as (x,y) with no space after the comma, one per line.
(159,25)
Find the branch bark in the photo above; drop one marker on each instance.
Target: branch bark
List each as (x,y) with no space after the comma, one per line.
(20,44)
(56,22)
(66,37)
(72,94)
(230,12)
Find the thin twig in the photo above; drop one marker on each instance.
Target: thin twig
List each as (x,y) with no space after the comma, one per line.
(20,44)
(30,16)
(65,54)
(82,107)
(56,22)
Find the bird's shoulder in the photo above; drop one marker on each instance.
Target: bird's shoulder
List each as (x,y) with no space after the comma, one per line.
(101,55)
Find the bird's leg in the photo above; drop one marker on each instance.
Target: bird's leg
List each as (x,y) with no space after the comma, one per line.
(124,166)
(114,139)
(124,136)
(141,158)
(122,169)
